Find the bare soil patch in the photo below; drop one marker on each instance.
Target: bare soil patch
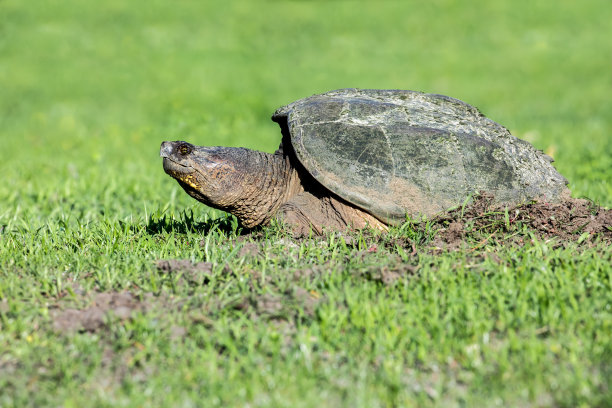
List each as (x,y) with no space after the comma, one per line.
(102,308)
(285,304)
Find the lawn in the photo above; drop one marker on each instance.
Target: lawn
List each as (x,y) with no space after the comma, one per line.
(117,289)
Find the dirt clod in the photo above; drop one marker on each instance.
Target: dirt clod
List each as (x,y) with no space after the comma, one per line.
(183,265)
(268,304)
(388,275)
(189,273)
(177,332)
(103,307)
(295,302)
(250,249)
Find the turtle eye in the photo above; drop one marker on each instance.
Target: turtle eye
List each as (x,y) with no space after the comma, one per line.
(184,149)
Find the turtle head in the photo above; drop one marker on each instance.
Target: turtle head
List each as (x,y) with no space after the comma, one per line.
(247,183)
(211,175)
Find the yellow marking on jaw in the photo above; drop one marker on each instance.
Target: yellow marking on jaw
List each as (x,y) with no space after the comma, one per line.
(190,180)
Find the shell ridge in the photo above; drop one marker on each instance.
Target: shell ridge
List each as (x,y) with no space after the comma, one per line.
(463,161)
(384,132)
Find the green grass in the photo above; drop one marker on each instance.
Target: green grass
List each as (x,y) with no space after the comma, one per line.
(87,93)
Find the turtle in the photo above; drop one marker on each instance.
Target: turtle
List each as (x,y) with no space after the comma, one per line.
(356,158)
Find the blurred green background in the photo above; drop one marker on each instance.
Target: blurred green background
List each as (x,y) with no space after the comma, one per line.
(88,91)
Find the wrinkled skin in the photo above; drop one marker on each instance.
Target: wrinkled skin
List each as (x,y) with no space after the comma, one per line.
(257,187)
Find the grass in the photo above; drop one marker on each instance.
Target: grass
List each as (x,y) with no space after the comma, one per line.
(89,92)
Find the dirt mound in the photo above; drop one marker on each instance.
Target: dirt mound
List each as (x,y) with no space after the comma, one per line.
(568,220)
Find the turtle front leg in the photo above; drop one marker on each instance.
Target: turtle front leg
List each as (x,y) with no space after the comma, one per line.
(306,212)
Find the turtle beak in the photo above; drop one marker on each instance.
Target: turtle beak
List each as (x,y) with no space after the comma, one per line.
(166,150)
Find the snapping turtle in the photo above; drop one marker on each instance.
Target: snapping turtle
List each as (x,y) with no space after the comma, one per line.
(357,157)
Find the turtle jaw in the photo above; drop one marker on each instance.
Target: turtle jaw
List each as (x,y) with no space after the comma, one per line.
(183,174)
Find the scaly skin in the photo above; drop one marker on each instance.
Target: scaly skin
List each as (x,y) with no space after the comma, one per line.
(257,186)
(319,210)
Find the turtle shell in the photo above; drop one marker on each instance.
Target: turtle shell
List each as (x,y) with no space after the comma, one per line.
(395,153)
